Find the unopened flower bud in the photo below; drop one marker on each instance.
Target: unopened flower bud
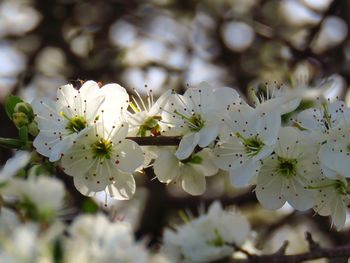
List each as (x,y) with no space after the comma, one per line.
(20,119)
(26,108)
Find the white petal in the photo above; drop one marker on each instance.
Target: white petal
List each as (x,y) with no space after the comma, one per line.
(187,145)
(208,134)
(67,100)
(123,188)
(116,96)
(227,97)
(89,90)
(192,181)
(127,156)
(166,166)
(243,175)
(230,154)
(160,103)
(41,144)
(81,184)
(269,191)
(287,140)
(338,213)
(208,167)
(62,147)
(269,126)
(298,197)
(335,160)
(310,119)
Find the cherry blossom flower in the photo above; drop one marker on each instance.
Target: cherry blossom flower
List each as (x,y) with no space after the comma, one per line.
(61,122)
(333,197)
(196,116)
(334,154)
(190,173)
(287,173)
(275,98)
(104,160)
(93,238)
(248,136)
(319,121)
(43,204)
(146,119)
(210,237)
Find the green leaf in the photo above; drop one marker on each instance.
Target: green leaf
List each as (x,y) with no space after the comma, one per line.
(23,134)
(10,104)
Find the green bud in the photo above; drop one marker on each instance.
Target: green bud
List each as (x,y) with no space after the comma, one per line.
(26,108)
(33,128)
(20,119)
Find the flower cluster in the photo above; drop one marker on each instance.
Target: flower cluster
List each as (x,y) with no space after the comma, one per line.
(210,237)
(85,129)
(92,238)
(305,163)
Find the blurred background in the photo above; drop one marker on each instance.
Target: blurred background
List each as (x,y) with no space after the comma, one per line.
(169,44)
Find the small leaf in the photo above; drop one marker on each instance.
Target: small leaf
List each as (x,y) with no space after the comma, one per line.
(10,104)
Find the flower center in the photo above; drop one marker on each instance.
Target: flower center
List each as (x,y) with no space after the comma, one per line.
(287,167)
(252,145)
(150,125)
(195,122)
(218,241)
(102,149)
(75,124)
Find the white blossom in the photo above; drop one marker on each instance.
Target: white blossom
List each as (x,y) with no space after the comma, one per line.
(334,154)
(207,238)
(62,121)
(248,136)
(146,119)
(275,98)
(28,244)
(41,195)
(93,238)
(286,175)
(190,173)
(14,165)
(196,116)
(333,197)
(102,159)
(319,121)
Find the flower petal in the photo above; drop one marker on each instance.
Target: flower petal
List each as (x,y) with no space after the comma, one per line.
(192,182)
(208,134)
(242,176)
(187,145)
(127,156)
(166,166)
(269,190)
(124,187)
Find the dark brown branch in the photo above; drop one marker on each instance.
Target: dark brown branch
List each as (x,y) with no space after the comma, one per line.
(336,252)
(157,141)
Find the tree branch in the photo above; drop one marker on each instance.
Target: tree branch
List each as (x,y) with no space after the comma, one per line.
(156,141)
(315,253)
